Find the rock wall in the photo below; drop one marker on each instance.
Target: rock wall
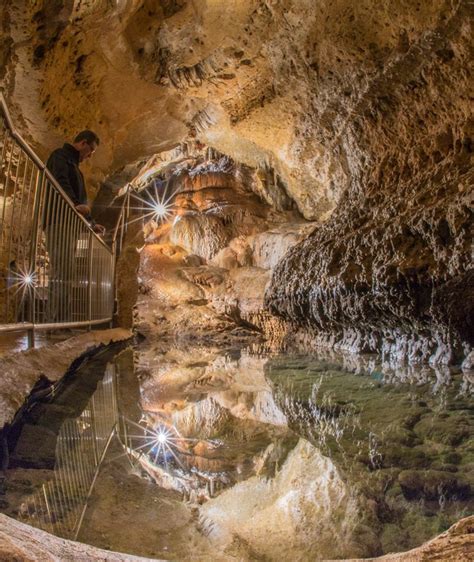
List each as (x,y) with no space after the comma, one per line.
(357,114)
(391,270)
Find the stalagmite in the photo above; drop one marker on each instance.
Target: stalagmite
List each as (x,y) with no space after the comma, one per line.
(296,267)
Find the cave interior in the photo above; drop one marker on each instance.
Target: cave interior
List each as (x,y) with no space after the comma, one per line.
(298,182)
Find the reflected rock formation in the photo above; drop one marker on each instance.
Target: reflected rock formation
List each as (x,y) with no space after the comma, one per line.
(283,453)
(262,488)
(315,162)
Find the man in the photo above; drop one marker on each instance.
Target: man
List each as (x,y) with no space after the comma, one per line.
(61,241)
(64,165)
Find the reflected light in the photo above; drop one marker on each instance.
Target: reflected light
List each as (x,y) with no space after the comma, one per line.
(160,209)
(162,438)
(160,444)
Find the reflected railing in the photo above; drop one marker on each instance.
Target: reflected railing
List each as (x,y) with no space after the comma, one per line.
(55,272)
(60,504)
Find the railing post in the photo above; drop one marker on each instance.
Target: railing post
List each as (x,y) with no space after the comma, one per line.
(89,279)
(33,253)
(45,207)
(114,285)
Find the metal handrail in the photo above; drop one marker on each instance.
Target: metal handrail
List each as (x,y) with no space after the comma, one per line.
(60,503)
(24,145)
(47,245)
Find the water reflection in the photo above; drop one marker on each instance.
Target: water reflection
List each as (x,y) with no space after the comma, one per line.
(58,504)
(392,442)
(262,456)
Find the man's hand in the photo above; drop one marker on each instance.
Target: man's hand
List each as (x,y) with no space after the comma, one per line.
(84,210)
(99,229)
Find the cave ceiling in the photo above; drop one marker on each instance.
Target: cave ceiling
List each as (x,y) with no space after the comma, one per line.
(356,116)
(274,84)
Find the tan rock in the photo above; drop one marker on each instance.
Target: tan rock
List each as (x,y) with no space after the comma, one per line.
(22,542)
(21,370)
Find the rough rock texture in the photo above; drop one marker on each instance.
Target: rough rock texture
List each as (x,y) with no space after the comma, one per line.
(22,542)
(204,273)
(264,80)
(242,513)
(358,112)
(179,301)
(456,544)
(27,544)
(391,270)
(22,370)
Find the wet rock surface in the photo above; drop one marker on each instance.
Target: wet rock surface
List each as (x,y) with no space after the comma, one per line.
(387,270)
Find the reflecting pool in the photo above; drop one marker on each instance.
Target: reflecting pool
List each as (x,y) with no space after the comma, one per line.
(241,454)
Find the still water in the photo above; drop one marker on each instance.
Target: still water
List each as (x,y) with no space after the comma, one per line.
(237,454)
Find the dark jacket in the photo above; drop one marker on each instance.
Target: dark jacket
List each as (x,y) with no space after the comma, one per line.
(63,163)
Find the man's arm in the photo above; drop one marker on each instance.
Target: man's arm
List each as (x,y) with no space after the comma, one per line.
(58,166)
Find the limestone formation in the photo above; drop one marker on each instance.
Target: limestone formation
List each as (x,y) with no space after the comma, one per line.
(314,163)
(357,115)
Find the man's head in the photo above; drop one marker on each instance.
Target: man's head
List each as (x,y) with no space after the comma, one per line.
(86,143)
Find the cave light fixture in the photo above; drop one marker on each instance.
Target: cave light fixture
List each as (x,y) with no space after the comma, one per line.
(157,207)
(159,443)
(25,281)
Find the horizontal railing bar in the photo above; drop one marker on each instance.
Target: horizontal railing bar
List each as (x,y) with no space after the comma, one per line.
(56,185)
(19,326)
(23,144)
(24,326)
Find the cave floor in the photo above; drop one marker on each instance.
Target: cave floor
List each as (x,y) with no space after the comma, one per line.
(11,342)
(227,454)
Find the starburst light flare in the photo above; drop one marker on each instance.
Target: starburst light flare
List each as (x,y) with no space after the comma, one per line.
(162,438)
(160,443)
(156,207)
(24,282)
